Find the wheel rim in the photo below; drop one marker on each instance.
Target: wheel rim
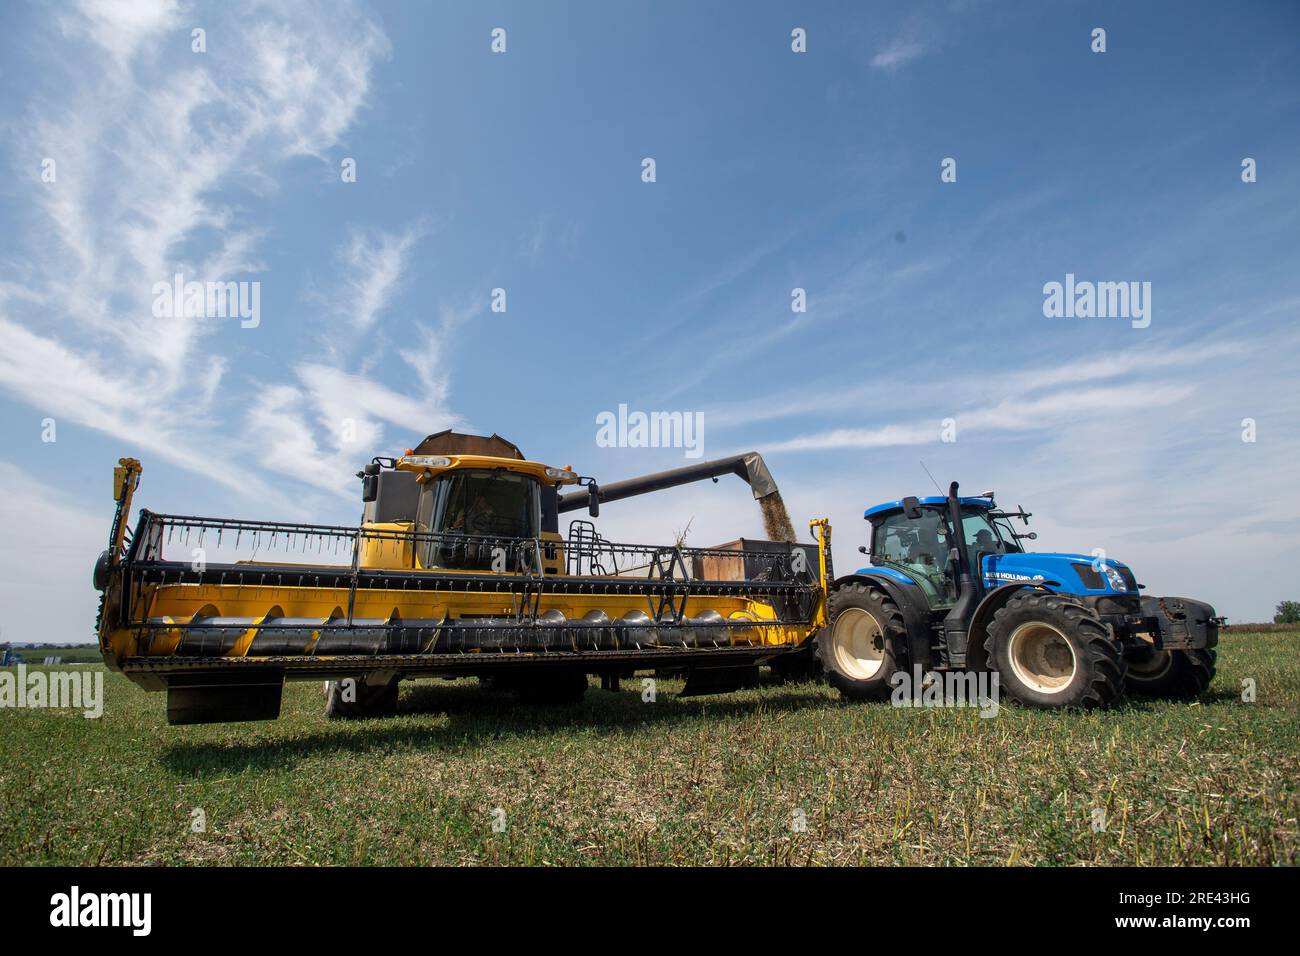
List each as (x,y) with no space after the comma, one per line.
(1148,663)
(1041,657)
(859,643)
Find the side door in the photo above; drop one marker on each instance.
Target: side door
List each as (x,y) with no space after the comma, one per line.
(919,548)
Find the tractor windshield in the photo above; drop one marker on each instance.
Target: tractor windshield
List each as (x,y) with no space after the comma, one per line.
(1010,543)
(981,535)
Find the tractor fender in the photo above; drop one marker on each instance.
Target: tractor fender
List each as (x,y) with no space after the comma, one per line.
(913,605)
(994,601)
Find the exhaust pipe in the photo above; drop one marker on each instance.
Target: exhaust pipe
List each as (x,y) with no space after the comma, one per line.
(956,625)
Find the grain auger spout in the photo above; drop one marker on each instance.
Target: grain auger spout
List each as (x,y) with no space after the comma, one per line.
(750,467)
(457,568)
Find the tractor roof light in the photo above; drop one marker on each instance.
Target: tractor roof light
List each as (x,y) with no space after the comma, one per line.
(427,461)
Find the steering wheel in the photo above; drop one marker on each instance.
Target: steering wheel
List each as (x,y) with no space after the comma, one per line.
(487,524)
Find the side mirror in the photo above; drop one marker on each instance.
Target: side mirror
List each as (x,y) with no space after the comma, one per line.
(593,500)
(370,482)
(862,549)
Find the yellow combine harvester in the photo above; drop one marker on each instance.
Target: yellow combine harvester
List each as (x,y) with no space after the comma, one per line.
(457,569)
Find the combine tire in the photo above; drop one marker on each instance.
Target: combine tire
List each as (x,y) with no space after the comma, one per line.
(1175,675)
(550,687)
(1050,651)
(371,700)
(862,646)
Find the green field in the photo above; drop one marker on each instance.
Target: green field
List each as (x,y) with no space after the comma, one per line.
(712,780)
(76,654)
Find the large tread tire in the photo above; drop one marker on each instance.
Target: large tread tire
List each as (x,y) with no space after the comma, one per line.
(860,655)
(1089,676)
(1171,675)
(372,700)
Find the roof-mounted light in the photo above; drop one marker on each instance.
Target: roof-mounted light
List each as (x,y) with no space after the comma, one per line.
(427,461)
(562,475)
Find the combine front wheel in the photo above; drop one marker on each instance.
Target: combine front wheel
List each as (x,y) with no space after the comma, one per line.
(1050,651)
(1178,675)
(862,647)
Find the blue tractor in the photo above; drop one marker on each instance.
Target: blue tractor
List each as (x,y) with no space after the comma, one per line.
(951,588)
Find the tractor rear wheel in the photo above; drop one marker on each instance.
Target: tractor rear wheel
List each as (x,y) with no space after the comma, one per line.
(353,699)
(1176,675)
(1051,651)
(862,647)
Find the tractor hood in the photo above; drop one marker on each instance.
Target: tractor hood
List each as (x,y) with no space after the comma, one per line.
(1076,573)
(1072,573)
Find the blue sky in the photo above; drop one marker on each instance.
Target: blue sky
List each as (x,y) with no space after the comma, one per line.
(774,170)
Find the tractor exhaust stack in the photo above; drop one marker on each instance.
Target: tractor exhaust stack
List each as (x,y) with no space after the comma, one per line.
(956,625)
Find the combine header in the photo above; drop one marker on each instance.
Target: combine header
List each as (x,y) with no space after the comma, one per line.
(457,569)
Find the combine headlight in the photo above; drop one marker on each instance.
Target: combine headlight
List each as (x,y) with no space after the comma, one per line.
(427,461)
(561,474)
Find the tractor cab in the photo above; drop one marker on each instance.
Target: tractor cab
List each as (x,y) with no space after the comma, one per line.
(911,539)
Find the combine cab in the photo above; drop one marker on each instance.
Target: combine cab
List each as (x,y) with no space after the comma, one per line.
(457,569)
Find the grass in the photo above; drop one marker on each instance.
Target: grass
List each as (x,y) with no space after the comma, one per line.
(713,780)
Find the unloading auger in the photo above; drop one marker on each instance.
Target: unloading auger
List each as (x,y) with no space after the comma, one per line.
(458,568)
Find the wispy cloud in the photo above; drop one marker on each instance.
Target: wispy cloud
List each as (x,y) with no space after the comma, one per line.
(535,239)
(374,262)
(144,144)
(896,53)
(315,427)
(1019,384)
(1012,414)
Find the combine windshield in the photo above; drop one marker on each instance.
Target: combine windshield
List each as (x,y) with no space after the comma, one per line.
(479,505)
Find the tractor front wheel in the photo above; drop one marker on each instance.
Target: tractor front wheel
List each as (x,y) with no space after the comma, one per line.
(862,646)
(1050,651)
(1175,675)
